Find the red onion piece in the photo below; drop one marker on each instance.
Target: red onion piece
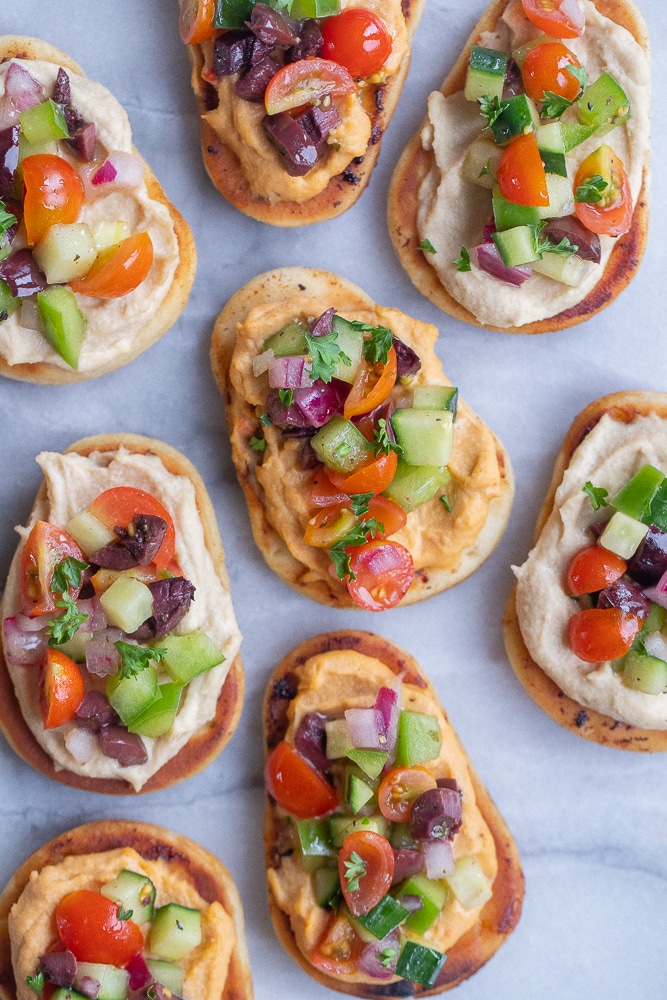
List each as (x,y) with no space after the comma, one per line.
(489,259)
(367,729)
(378,959)
(140,974)
(439,858)
(388,703)
(9,116)
(23,647)
(119,170)
(407,862)
(262,362)
(97,619)
(23,89)
(106,173)
(81,743)
(655,644)
(102,658)
(411,901)
(289,373)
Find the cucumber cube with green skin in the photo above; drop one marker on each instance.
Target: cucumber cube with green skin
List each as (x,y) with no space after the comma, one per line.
(400,837)
(635,498)
(568,270)
(8,304)
(232,13)
(186,656)
(315,838)
(131,696)
(657,514)
(113,981)
(551,148)
(418,740)
(371,762)
(517,117)
(517,246)
(383,917)
(66,252)
(342,825)
(574,134)
(64,994)
(508,215)
(350,341)
(414,485)
(623,535)
(435,397)
(645,673)
(603,105)
(288,342)
(133,892)
(469,883)
(656,620)
(128,602)
(175,931)
(433,895)
(89,533)
(26,149)
(561,198)
(314,8)
(426,437)
(358,792)
(160,716)
(420,964)
(169,974)
(340,445)
(338,738)
(44,122)
(326,885)
(64,323)
(76,646)
(486,73)
(106,233)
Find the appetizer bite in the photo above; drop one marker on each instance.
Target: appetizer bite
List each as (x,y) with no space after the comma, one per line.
(586,624)
(294,98)
(123,910)
(120,667)
(522,203)
(95,263)
(345,431)
(390,871)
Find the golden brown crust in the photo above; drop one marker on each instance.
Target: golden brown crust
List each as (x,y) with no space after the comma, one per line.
(623,407)
(23,47)
(274,286)
(205,745)
(187,860)
(222,165)
(499,916)
(416,162)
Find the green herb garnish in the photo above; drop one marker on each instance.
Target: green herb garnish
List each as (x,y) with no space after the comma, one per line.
(36,983)
(553,105)
(257,443)
(597,495)
(486,169)
(326,355)
(265,420)
(591,191)
(124,914)
(360,503)
(64,628)
(427,246)
(446,502)
(7,220)
(463,262)
(491,108)
(386,956)
(286,397)
(355,869)
(134,659)
(382,444)
(67,574)
(376,350)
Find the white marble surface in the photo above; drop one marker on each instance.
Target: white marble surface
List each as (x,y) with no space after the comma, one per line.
(591,823)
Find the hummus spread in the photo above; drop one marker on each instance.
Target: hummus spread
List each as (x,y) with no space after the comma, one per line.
(32,927)
(72,483)
(330,683)
(112,324)
(435,537)
(608,456)
(453,212)
(239,122)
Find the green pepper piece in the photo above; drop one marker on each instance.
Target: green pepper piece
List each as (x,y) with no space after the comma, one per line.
(635,498)
(232,13)
(340,445)
(419,964)
(314,8)
(288,342)
(326,884)
(433,895)
(658,511)
(315,838)
(44,122)
(418,739)
(656,619)
(371,762)
(383,917)
(64,323)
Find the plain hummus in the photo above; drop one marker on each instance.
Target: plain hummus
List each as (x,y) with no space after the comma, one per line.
(239,122)
(453,212)
(330,683)
(112,324)
(608,456)
(72,483)
(32,927)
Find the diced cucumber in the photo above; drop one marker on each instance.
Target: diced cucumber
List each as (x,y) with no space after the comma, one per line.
(289,341)
(519,116)
(418,738)
(420,964)
(315,838)
(414,485)
(517,246)
(358,789)
(186,656)
(108,233)
(133,892)
(175,931)
(64,323)
(603,105)
(62,993)
(645,673)
(340,445)
(338,738)
(426,437)
(371,762)
(113,981)
(160,716)
(623,535)
(44,122)
(569,270)
(127,603)
(401,838)
(26,149)
(550,145)
(435,397)
(574,134)
(326,885)
(131,696)
(433,895)
(314,8)
(89,533)
(469,883)
(383,917)
(561,198)
(169,974)
(481,162)
(657,514)
(350,341)
(342,825)
(486,73)
(519,54)
(635,498)
(8,304)
(76,646)
(656,620)
(509,215)
(66,252)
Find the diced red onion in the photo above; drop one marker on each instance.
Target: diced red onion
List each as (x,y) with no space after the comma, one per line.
(261,362)
(658,594)
(367,729)
(488,231)
(407,862)
(9,113)
(119,170)
(290,373)
(655,644)
(97,619)
(81,743)
(388,703)
(489,259)
(411,901)
(102,658)
(140,974)
(23,647)
(376,953)
(22,88)
(106,173)
(439,858)
(28,624)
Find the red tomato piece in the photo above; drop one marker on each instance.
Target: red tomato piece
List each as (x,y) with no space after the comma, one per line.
(612,214)
(383,571)
(296,786)
(306,81)
(599,634)
(195,22)
(117,270)
(558,18)
(358,40)
(62,689)
(323,493)
(337,951)
(329,525)
(546,67)
(365,869)
(372,476)
(521,175)
(89,926)
(398,790)
(53,193)
(371,386)
(116,508)
(45,547)
(592,569)
(388,513)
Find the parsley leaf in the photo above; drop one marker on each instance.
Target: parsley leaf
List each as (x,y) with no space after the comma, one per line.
(491,108)
(257,443)
(357,536)
(265,420)
(134,659)
(36,983)
(65,627)
(597,495)
(486,169)
(124,914)
(591,191)
(580,74)
(553,105)
(355,869)
(67,574)
(326,356)
(427,246)
(564,248)
(382,443)
(7,220)
(386,956)
(446,502)
(463,262)
(360,503)
(286,397)
(376,350)
(341,561)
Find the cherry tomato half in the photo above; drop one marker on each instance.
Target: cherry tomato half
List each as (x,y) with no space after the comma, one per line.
(195,22)
(116,508)
(365,869)
(329,525)
(592,569)
(358,40)
(388,513)
(61,689)
(53,193)
(371,386)
(546,68)
(323,493)
(88,925)
(46,546)
(521,175)
(372,476)
(398,790)
(558,18)
(383,571)
(337,951)
(599,634)
(118,269)
(296,786)
(306,82)
(612,214)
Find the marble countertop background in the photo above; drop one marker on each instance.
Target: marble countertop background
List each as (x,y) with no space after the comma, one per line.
(590,822)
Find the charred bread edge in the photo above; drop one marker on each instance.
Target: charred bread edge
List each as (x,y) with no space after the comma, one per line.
(206,744)
(198,866)
(274,286)
(343,189)
(415,163)
(585,722)
(24,47)
(498,917)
